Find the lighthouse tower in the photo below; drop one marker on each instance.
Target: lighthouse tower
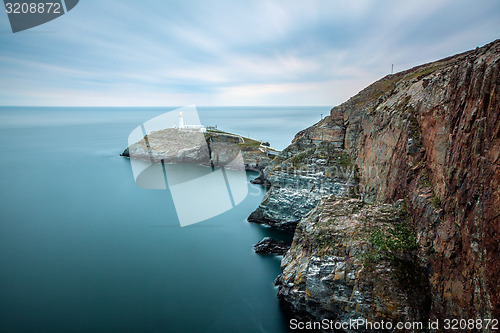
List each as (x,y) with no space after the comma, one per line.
(181,120)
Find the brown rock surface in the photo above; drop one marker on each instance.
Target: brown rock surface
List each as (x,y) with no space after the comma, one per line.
(430,136)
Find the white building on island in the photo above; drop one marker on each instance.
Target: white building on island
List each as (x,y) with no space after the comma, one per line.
(200,128)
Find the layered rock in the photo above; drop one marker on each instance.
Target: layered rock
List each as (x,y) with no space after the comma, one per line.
(430,136)
(354,261)
(269,245)
(314,165)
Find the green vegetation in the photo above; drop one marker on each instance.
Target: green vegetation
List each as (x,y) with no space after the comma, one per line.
(333,156)
(384,86)
(377,89)
(356,174)
(353,192)
(435,202)
(301,157)
(342,159)
(323,121)
(398,237)
(372,256)
(414,128)
(404,208)
(422,72)
(423,181)
(248,142)
(210,130)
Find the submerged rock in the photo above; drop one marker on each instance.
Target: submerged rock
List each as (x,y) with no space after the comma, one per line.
(269,245)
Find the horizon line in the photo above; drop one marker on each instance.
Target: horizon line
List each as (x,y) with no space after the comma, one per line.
(158,106)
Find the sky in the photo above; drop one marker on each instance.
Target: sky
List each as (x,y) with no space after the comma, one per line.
(249,53)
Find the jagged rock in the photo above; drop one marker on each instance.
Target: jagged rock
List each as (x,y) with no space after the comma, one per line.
(352,260)
(255,159)
(313,166)
(271,246)
(261,180)
(430,136)
(125,153)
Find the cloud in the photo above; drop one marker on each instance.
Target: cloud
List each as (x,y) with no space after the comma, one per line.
(231,53)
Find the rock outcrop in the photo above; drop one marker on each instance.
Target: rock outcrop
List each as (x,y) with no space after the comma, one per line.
(269,245)
(354,261)
(314,165)
(173,145)
(429,136)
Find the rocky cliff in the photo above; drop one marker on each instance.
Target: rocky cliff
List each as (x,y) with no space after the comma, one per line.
(354,261)
(429,136)
(313,166)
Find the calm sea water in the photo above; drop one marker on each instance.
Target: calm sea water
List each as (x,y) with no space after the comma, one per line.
(83,249)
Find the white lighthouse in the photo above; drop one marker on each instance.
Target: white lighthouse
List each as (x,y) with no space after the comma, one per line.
(188,127)
(181,120)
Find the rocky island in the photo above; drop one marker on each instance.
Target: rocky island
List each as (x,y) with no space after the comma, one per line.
(213,147)
(394,199)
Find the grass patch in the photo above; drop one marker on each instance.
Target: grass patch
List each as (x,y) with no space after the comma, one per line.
(424,71)
(301,157)
(248,142)
(378,89)
(342,159)
(397,238)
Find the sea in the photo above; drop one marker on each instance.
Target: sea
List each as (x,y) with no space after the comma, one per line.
(84,249)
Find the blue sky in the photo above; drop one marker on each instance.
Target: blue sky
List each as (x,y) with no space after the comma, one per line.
(158,53)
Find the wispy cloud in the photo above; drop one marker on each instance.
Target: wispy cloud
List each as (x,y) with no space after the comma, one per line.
(231,53)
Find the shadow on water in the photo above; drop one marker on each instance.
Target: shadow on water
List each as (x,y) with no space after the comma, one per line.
(279,235)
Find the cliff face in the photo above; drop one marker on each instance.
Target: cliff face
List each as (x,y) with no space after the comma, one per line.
(314,165)
(353,260)
(429,136)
